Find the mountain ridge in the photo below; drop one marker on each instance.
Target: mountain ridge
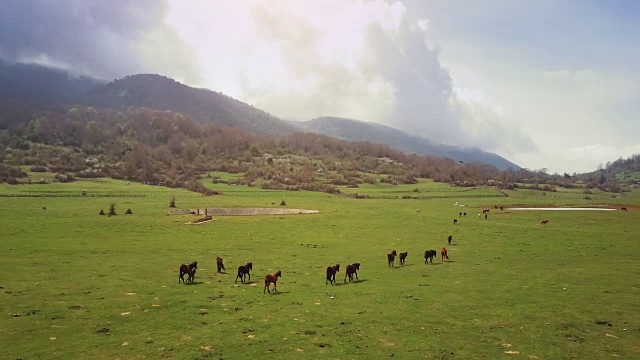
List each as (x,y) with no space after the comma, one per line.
(37,84)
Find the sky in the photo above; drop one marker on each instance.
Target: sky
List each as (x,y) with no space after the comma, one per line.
(548,84)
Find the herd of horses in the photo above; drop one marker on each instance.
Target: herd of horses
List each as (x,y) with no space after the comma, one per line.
(244,271)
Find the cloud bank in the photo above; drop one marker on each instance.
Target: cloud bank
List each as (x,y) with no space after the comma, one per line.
(105,39)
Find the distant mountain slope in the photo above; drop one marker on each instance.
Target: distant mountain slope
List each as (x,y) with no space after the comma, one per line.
(162,93)
(356,130)
(37,84)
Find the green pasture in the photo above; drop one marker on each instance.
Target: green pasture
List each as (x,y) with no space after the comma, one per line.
(78,285)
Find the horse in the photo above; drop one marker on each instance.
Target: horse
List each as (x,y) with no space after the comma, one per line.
(544,222)
(460,215)
(190,270)
(244,270)
(624,209)
(464,214)
(444,254)
(331,273)
(403,257)
(391,257)
(418,210)
(352,270)
(449,238)
(429,255)
(220,264)
(271,279)
(455,221)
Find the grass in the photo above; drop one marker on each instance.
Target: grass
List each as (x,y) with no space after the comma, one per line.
(105,287)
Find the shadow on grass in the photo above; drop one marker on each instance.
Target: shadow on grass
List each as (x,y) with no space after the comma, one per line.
(194,283)
(350,282)
(277,292)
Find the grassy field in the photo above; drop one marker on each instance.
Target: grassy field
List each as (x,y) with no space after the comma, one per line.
(78,285)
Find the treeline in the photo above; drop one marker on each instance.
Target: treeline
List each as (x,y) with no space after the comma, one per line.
(171,149)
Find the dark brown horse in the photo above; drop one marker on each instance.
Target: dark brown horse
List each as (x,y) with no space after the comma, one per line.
(220,264)
(544,222)
(429,255)
(189,270)
(391,257)
(244,270)
(331,273)
(351,271)
(403,257)
(271,279)
(624,209)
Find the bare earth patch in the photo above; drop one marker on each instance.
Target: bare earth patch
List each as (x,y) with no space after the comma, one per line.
(247,211)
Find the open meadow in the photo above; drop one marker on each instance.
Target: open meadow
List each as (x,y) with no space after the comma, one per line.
(75,285)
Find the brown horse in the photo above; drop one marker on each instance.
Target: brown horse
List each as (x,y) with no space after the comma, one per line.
(351,271)
(331,273)
(624,209)
(271,279)
(190,270)
(444,254)
(220,264)
(544,222)
(244,270)
(429,255)
(391,258)
(403,257)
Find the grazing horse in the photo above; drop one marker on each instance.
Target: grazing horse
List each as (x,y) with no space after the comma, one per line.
(352,270)
(403,257)
(220,264)
(244,270)
(544,222)
(624,209)
(444,254)
(429,255)
(271,279)
(190,270)
(455,221)
(391,257)
(449,238)
(485,211)
(331,273)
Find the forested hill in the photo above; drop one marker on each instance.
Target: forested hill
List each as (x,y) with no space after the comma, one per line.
(356,130)
(206,106)
(33,84)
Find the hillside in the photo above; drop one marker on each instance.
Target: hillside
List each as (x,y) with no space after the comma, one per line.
(355,130)
(206,106)
(37,84)
(24,87)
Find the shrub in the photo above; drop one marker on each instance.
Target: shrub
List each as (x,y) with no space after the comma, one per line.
(587,191)
(12,181)
(39,168)
(101,212)
(112,209)
(283,203)
(128,212)
(172,203)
